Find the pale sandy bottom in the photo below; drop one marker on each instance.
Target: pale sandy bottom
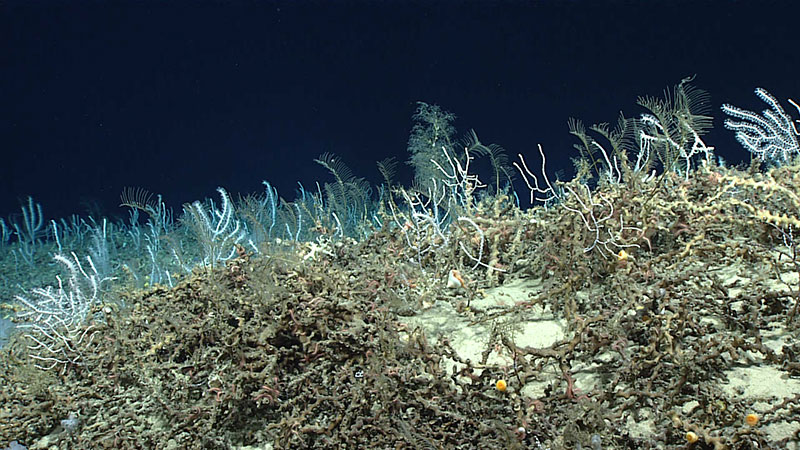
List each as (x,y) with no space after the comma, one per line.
(762,385)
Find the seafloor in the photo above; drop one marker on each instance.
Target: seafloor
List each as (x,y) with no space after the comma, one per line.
(646,316)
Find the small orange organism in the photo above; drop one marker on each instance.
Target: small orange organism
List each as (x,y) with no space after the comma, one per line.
(751,419)
(501,385)
(455,280)
(692,437)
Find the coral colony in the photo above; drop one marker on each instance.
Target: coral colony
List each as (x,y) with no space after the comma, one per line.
(651,301)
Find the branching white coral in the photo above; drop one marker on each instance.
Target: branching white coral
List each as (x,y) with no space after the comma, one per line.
(55,315)
(771,136)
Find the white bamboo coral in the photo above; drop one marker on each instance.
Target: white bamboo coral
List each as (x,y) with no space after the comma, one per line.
(771,136)
(54,316)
